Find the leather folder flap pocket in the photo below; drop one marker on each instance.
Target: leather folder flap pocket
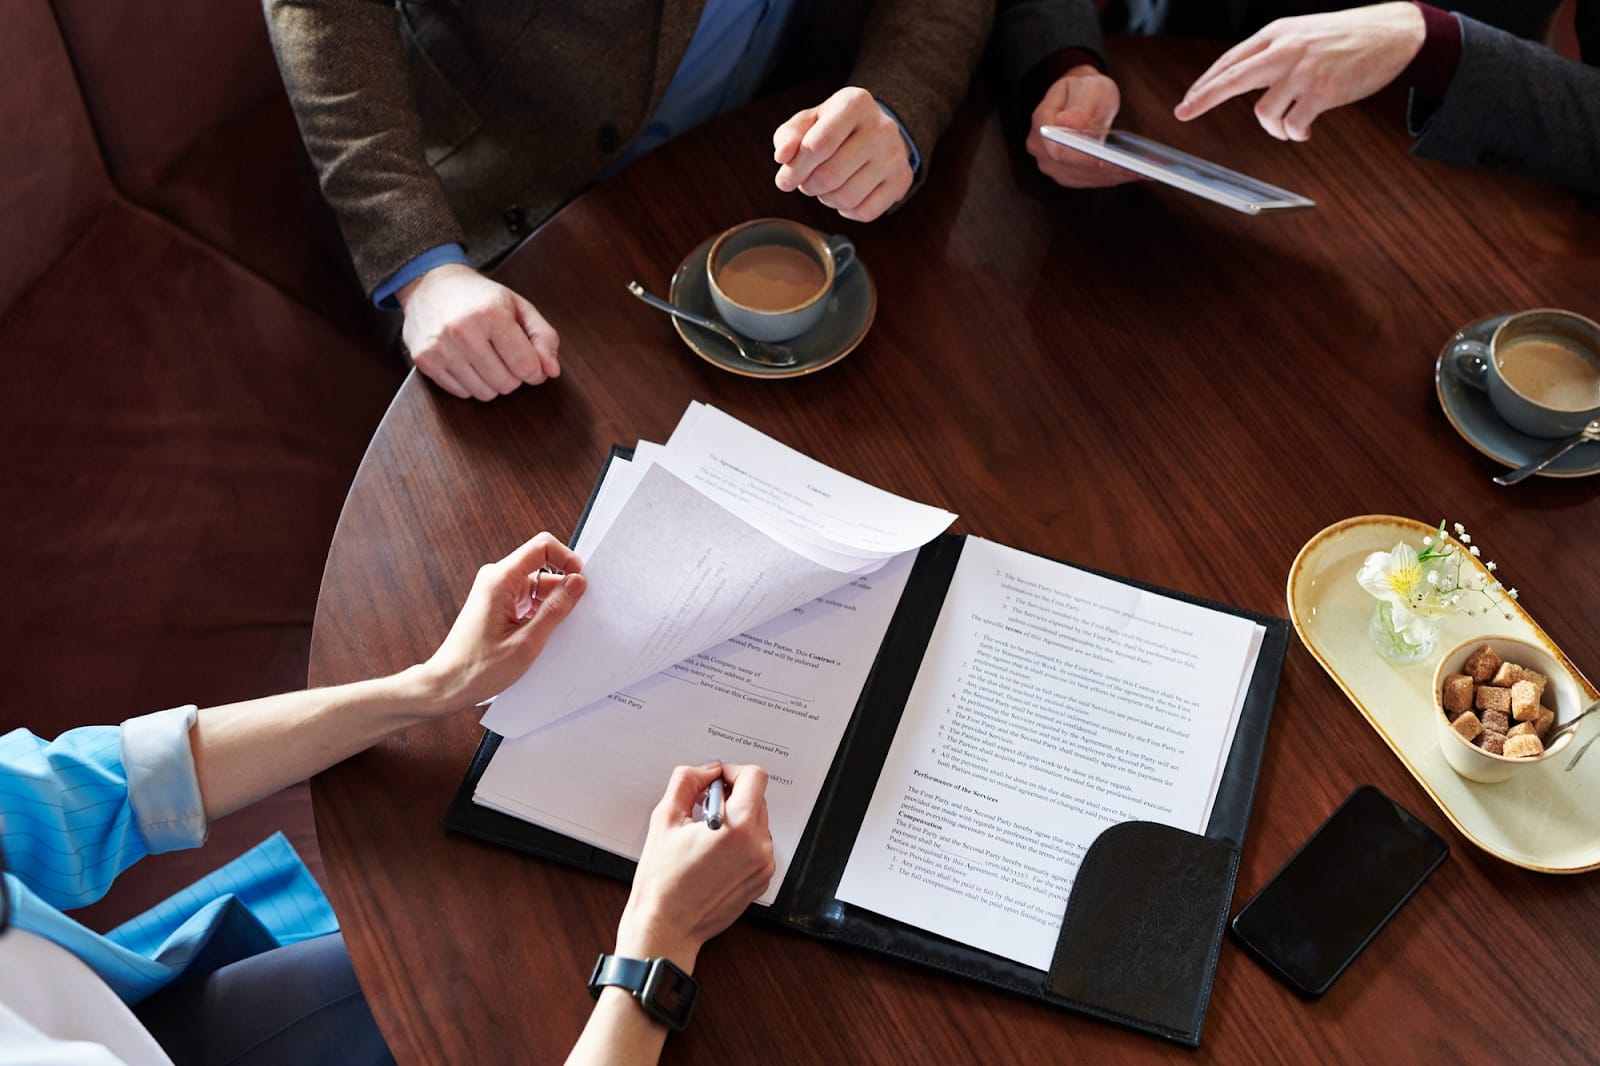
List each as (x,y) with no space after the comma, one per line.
(1143,928)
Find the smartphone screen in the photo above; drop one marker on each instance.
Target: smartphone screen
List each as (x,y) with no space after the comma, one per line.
(1334,894)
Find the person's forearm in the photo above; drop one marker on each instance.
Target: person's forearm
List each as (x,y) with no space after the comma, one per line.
(244,752)
(618,1031)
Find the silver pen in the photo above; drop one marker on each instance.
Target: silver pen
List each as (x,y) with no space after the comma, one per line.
(714,805)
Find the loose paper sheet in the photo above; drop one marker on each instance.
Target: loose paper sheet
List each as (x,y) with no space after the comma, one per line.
(1050,704)
(790,495)
(676,574)
(719,531)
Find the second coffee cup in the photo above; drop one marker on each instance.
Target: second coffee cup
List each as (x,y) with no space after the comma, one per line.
(770,278)
(1541,370)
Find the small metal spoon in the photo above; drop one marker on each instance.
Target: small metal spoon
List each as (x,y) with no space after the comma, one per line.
(759,352)
(1589,432)
(1571,726)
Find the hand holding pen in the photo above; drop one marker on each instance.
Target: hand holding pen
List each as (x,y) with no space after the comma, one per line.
(691,884)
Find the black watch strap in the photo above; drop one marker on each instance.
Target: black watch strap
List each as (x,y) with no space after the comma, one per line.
(666,993)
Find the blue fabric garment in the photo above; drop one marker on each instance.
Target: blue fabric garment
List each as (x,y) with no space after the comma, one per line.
(384,296)
(77,811)
(735,46)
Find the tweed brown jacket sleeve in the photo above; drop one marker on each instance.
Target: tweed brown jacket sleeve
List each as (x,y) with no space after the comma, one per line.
(345,69)
(917,57)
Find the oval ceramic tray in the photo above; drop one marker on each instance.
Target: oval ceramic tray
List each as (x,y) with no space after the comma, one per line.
(1545,818)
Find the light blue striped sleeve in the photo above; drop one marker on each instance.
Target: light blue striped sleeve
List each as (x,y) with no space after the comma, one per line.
(69,809)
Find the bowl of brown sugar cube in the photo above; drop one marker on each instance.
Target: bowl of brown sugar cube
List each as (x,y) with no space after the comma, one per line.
(1495,700)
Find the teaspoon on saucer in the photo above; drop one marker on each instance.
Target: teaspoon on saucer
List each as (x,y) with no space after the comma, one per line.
(761,353)
(1589,432)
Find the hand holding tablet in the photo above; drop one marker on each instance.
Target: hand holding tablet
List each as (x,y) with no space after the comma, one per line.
(1183,171)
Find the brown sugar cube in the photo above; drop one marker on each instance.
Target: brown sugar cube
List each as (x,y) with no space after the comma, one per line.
(1457,694)
(1482,664)
(1542,724)
(1467,725)
(1489,698)
(1495,722)
(1493,743)
(1538,679)
(1524,746)
(1508,675)
(1522,729)
(1525,701)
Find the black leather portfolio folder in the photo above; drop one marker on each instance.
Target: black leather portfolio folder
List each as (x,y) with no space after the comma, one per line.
(1144,923)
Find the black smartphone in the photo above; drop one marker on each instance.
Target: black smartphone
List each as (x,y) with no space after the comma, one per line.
(1333,895)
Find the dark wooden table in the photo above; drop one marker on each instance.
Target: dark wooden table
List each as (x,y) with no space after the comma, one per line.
(1134,380)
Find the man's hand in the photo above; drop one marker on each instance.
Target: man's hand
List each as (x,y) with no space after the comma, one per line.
(847,152)
(1085,101)
(693,881)
(473,336)
(514,606)
(1310,64)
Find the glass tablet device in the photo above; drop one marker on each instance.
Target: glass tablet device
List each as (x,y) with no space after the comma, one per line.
(1181,170)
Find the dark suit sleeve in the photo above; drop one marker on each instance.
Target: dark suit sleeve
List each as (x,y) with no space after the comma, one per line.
(1517,107)
(918,57)
(1027,33)
(345,69)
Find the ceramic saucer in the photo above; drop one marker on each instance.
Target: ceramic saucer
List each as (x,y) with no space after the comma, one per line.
(1470,412)
(851,309)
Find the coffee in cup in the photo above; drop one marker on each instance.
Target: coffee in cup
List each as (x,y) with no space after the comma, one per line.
(771,278)
(1540,368)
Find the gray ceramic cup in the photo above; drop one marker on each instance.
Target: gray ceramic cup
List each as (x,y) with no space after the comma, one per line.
(831,254)
(1484,367)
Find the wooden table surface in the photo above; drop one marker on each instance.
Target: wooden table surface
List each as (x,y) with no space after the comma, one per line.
(1134,380)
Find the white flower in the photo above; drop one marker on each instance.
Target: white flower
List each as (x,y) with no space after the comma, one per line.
(1489,566)
(1392,576)
(1427,542)
(1474,551)
(1433,577)
(1459,529)
(1466,538)
(1512,593)
(1398,579)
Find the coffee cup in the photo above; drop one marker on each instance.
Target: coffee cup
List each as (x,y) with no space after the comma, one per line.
(1541,369)
(771,278)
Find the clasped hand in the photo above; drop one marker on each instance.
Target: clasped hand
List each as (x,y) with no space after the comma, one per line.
(847,152)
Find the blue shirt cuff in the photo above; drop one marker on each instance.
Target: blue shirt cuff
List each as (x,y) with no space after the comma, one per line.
(163,788)
(911,146)
(384,297)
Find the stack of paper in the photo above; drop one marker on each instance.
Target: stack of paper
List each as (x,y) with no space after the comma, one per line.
(733,585)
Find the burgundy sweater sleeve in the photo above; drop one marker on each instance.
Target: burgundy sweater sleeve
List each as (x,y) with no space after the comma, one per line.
(1430,70)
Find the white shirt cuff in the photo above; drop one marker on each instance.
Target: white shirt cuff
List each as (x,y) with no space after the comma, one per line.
(162,785)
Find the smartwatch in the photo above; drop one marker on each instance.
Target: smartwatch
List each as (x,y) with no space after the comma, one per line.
(666,993)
